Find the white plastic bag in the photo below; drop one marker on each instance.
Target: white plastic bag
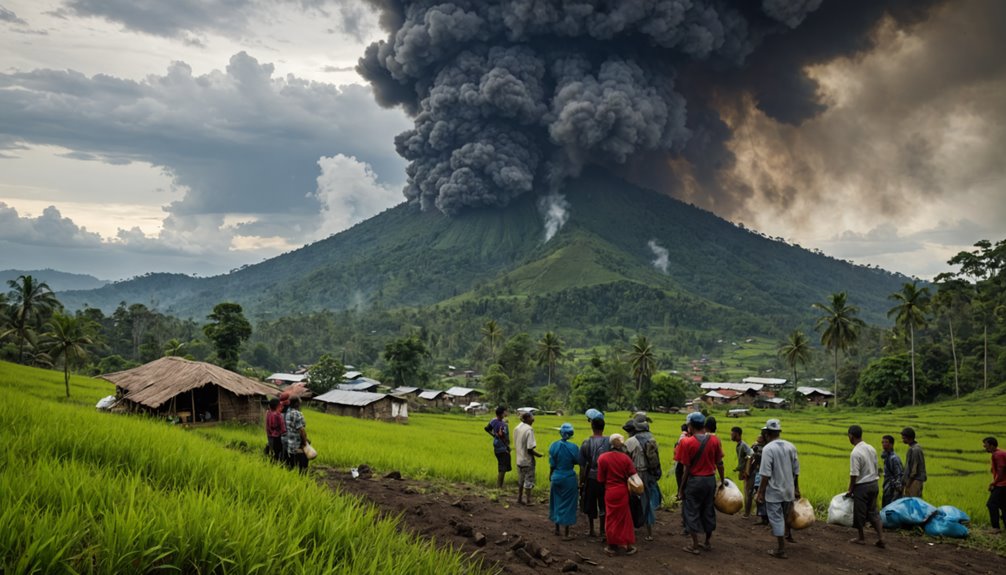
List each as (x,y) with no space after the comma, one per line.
(636,486)
(802,515)
(309,451)
(729,500)
(840,511)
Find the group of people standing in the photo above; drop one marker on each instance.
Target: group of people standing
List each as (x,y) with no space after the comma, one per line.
(286,432)
(612,467)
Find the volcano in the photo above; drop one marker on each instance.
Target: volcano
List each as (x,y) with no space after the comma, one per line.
(599,269)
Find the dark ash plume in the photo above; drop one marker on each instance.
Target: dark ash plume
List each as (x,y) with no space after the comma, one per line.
(516,96)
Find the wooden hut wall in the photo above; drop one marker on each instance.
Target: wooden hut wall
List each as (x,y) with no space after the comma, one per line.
(239,408)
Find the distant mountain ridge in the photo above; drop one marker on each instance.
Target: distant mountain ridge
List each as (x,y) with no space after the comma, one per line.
(715,270)
(56,280)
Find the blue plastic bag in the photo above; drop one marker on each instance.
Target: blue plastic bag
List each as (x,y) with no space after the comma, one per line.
(953,514)
(941,525)
(906,512)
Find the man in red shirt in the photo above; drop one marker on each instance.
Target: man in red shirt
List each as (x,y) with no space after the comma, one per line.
(997,489)
(701,455)
(275,428)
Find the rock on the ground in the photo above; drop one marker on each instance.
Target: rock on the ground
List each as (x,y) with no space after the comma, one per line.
(570,566)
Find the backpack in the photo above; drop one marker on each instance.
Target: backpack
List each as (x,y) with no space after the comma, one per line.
(652,456)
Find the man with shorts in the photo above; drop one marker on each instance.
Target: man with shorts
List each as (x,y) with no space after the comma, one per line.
(863,486)
(523,438)
(500,430)
(592,491)
(780,484)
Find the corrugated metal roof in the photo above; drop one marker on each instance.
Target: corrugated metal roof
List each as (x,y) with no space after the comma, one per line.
(154,383)
(351,375)
(431,394)
(461,391)
(403,389)
(291,377)
(765,380)
(357,398)
(810,390)
(361,386)
(742,387)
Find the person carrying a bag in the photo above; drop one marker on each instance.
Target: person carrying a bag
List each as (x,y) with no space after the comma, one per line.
(702,456)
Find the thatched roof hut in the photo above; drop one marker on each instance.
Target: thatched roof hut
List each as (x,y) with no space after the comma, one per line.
(190,390)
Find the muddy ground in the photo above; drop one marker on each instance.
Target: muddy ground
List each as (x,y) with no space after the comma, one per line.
(457,515)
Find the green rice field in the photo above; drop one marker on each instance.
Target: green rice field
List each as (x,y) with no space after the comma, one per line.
(89,492)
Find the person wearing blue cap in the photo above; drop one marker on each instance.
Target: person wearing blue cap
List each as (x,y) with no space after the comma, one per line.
(702,456)
(562,456)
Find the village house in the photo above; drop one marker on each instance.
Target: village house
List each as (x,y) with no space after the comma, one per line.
(285,379)
(741,393)
(190,391)
(816,395)
(433,399)
(364,405)
(360,384)
(462,395)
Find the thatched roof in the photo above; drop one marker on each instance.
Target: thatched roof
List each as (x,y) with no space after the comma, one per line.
(154,383)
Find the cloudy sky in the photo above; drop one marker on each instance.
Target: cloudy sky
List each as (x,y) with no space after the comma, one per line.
(196,136)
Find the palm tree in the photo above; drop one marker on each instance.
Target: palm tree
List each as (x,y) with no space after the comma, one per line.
(795,350)
(909,311)
(491,333)
(30,300)
(840,327)
(549,352)
(643,360)
(67,337)
(173,347)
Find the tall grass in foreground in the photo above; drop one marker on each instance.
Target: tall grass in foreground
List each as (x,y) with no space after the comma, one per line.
(88,492)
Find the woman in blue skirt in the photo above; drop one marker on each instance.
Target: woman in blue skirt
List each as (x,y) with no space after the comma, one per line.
(563,497)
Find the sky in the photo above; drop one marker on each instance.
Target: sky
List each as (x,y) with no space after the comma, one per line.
(198,136)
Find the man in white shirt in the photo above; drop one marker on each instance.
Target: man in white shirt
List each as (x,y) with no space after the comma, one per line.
(524,446)
(780,484)
(863,486)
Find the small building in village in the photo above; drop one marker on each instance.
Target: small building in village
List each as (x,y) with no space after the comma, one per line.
(773,383)
(433,399)
(772,403)
(815,395)
(462,395)
(285,379)
(360,384)
(190,391)
(364,405)
(741,393)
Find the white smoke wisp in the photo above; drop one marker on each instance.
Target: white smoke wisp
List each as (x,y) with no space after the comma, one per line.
(555,208)
(661,254)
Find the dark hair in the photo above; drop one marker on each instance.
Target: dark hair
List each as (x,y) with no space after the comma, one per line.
(889,438)
(737,430)
(856,431)
(684,427)
(909,433)
(711,424)
(991,441)
(771,433)
(597,424)
(273,403)
(295,402)
(500,410)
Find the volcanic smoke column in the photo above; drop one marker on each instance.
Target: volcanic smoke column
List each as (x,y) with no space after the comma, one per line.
(516,96)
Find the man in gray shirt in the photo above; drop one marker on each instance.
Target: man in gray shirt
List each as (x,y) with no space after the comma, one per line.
(863,486)
(743,453)
(915,465)
(780,484)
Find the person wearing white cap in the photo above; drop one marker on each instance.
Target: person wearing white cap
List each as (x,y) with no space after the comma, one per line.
(780,484)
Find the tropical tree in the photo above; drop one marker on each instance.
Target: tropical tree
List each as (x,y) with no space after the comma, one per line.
(67,337)
(173,347)
(491,334)
(30,302)
(228,332)
(909,311)
(839,327)
(642,360)
(325,374)
(405,357)
(795,350)
(549,352)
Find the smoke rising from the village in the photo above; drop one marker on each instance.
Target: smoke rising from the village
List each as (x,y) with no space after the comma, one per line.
(517,96)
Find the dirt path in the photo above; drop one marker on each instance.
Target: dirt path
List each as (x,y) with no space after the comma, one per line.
(454,515)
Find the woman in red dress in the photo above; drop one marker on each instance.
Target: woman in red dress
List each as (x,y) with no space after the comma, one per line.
(613,470)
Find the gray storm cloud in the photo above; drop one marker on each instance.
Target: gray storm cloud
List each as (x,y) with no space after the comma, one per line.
(517,96)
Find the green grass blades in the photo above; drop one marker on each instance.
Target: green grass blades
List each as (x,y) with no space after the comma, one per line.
(89,492)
